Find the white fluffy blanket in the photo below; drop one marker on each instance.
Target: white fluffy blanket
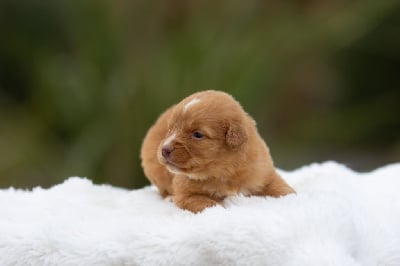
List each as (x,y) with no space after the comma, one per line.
(338,217)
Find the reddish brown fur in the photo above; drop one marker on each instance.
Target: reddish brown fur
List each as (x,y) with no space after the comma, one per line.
(231,158)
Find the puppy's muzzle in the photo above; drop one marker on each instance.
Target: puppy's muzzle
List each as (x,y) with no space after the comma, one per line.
(166,151)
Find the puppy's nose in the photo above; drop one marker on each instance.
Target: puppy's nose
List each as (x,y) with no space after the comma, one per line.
(166,151)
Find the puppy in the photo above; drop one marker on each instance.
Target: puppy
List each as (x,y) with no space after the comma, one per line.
(206,148)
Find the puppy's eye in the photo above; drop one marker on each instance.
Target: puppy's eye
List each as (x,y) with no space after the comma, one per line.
(197,135)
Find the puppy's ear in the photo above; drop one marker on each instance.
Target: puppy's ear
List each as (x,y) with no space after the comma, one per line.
(236,135)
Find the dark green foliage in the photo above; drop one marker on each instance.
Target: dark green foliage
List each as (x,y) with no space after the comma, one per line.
(81,81)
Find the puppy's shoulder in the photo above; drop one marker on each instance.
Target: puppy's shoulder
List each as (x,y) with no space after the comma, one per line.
(163,118)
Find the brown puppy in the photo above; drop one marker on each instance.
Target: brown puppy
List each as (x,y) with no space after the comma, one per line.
(206,148)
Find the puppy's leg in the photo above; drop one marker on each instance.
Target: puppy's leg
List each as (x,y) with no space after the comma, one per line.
(190,195)
(277,187)
(194,203)
(163,181)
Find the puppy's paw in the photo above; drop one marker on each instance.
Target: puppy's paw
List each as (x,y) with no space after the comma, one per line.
(194,203)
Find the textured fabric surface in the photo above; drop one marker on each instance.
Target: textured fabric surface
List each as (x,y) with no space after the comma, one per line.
(338,217)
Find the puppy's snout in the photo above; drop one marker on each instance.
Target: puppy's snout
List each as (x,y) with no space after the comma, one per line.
(166,151)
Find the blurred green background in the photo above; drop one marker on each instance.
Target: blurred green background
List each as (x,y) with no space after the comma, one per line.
(82,81)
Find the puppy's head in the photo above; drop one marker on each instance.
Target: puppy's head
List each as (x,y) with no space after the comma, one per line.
(204,131)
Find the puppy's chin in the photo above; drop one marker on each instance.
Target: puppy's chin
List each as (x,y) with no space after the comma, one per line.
(196,177)
(177,171)
(173,169)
